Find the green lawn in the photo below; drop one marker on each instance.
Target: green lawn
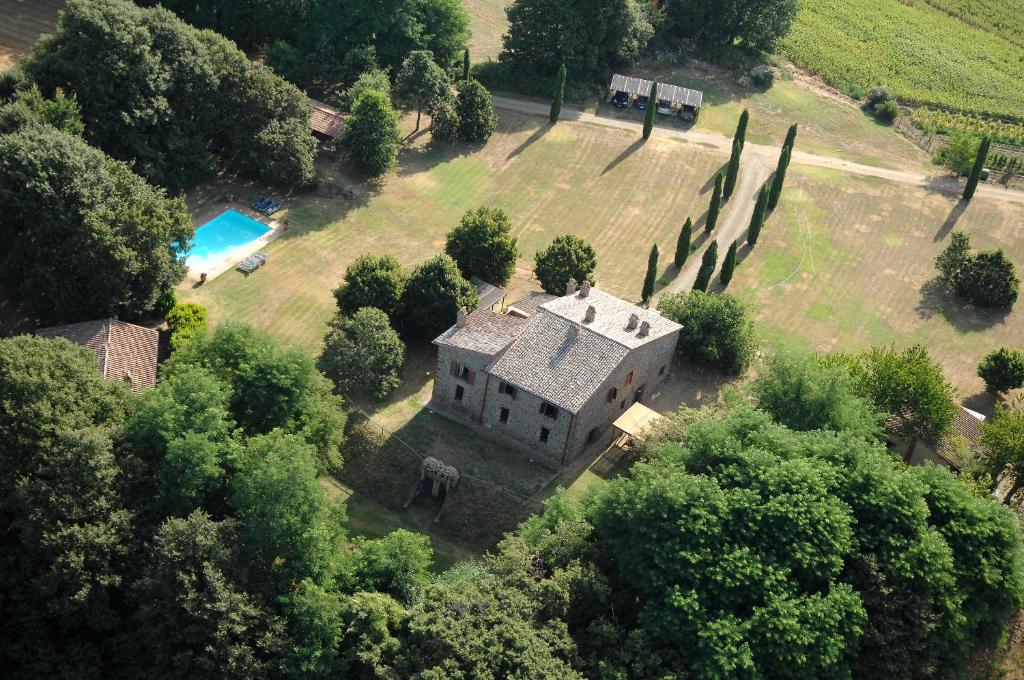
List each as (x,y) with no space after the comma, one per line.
(593,181)
(848,262)
(488,23)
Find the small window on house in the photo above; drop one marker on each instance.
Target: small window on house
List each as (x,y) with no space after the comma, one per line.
(629,379)
(548,410)
(544,432)
(504,415)
(592,435)
(464,371)
(505,388)
(612,394)
(459,392)
(661,371)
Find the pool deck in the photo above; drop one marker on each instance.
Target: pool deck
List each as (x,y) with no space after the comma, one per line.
(235,255)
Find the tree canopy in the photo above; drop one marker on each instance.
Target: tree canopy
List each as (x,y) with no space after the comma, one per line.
(483,245)
(433,296)
(363,352)
(83,235)
(372,281)
(587,36)
(568,257)
(176,102)
(371,138)
(421,85)
(759,24)
(719,331)
(987,278)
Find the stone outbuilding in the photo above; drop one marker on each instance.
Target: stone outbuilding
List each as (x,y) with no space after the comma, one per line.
(554,373)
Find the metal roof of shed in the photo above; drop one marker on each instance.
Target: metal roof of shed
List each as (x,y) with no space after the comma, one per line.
(667,91)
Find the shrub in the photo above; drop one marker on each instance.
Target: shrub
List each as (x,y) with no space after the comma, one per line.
(762,76)
(1002,370)
(372,281)
(483,245)
(987,278)
(887,111)
(879,94)
(719,331)
(567,257)
(363,352)
(371,138)
(476,112)
(959,153)
(446,123)
(185,320)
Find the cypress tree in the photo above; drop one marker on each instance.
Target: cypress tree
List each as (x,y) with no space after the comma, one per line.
(741,128)
(556,99)
(707,267)
(652,275)
(465,64)
(757,219)
(683,244)
(779,179)
(716,204)
(652,105)
(979,163)
(733,170)
(790,137)
(728,265)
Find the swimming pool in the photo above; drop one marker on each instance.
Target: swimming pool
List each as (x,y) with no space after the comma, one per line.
(225,233)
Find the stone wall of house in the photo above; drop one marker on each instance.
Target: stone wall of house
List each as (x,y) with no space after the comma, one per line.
(525,421)
(448,378)
(650,365)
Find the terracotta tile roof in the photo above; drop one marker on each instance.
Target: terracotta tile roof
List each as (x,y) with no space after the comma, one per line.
(485,331)
(325,119)
(123,350)
(966,424)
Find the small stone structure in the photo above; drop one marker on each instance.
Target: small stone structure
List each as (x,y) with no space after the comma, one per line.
(437,480)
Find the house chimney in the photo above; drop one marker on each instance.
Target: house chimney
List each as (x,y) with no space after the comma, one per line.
(645,328)
(460,318)
(570,287)
(585,289)
(591,313)
(634,321)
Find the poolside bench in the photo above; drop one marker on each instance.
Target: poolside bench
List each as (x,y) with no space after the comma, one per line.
(252,263)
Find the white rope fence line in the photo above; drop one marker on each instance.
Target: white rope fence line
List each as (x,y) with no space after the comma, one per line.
(522,498)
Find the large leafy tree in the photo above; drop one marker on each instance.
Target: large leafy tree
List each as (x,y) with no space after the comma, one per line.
(192,615)
(587,36)
(363,352)
(908,385)
(1002,442)
(421,85)
(174,101)
(475,111)
(719,331)
(483,245)
(756,23)
(1002,369)
(64,529)
(371,138)
(568,257)
(372,281)
(432,299)
(804,392)
(83,235)
(270,387)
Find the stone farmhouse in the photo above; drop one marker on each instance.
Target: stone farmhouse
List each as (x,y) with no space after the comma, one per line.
(551,374)
(124,351)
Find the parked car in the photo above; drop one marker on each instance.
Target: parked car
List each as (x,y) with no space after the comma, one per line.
(621,100)
(641,103)
(664,108)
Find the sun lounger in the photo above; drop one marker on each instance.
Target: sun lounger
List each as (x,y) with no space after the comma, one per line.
(252,263)
(262,257)
(272,208)
(260,203)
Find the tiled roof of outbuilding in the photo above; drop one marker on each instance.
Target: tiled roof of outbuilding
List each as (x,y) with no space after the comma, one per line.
(485,331)
(529,303)
(965,424)
(325,119)
(123,350)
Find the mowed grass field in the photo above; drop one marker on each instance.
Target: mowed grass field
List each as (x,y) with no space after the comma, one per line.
(487,21)
(961,54)
(848,262)
(21,24)
(599,183)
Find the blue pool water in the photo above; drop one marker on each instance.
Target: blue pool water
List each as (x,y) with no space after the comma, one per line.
(218,237)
